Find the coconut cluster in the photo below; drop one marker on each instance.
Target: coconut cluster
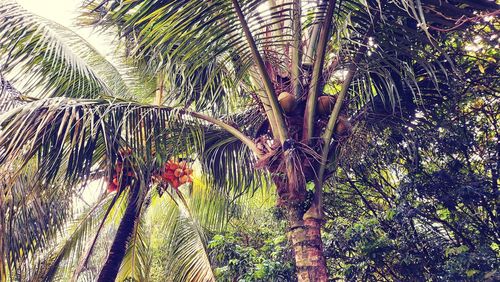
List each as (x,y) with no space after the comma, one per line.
(122,176)
(177,173)
(325,105)
(173,173)
(123,172)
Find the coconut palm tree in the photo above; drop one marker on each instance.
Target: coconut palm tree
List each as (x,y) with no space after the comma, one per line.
(38,193)
(252,89)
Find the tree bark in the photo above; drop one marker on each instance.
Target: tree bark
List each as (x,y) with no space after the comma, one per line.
(118,248)
(305,236)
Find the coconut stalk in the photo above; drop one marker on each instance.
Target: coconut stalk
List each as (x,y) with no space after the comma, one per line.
(296,48)
(315,87)
(266,80)
(315,211)
(313,38)
(264,101)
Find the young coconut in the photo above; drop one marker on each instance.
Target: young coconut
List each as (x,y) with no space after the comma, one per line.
(287,102)
(343,127)
(325,104)
(112,187)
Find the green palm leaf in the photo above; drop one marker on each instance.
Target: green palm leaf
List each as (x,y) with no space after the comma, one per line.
(46,59)
(35,213)
(69,249)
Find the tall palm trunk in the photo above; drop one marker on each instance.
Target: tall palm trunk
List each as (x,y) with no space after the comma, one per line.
(123,235)
(3,268)
(305,236)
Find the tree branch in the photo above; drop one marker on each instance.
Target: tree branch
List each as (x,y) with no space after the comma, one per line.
(234,131)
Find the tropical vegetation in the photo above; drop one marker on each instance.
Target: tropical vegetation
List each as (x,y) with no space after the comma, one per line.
(251,140)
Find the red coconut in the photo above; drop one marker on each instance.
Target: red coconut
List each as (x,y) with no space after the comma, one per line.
(112,187)
(176,174)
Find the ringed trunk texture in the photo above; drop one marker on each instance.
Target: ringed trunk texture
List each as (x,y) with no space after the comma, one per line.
(125,229)
(305,236)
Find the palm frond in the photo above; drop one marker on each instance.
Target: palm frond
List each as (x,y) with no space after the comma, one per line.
(80,136)
(179,240)
(228,163)
(35,213)
(75,135)
(73,245)
(190,37)
(193,37)
(45,59)
(190,260)
(210,206)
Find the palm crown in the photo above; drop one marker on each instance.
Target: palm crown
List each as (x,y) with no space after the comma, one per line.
(255,90)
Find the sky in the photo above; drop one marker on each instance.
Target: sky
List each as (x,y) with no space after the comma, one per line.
(61,11)
(64,12)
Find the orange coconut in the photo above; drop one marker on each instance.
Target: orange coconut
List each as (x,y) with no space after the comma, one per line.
(184,179)
(325,104)
(112,187)
(178,172)
(182,164)
(287,101)
(343,126)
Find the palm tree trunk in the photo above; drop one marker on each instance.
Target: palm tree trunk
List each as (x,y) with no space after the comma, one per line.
(3,259)
(305,236)
(122,237)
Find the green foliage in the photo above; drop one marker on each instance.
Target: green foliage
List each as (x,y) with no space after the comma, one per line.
(253,249)
(49,60)
(420,201)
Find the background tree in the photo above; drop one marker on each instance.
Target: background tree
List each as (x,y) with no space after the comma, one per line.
(48,232)
(413,200)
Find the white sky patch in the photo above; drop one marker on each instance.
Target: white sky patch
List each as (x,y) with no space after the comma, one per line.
(65,12)
(60,11)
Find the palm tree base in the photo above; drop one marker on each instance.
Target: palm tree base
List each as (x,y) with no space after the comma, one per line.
(305,236)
